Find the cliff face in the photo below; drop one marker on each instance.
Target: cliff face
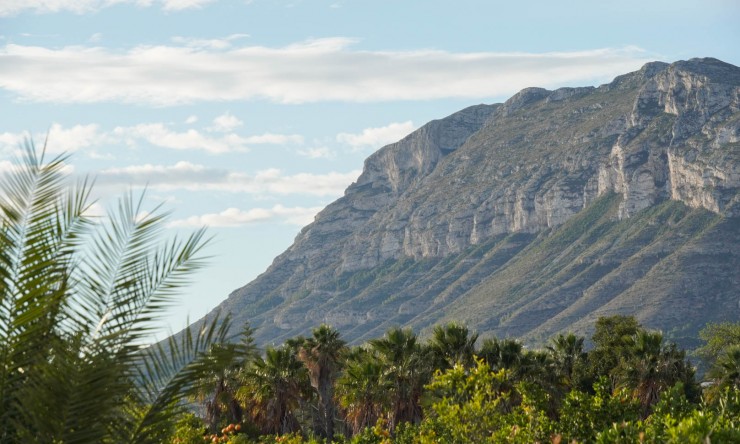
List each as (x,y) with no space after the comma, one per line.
(462,199)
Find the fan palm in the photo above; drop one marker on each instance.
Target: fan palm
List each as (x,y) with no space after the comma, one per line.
(363,390)
(273,388)
(453,344)
(218,389)
(652,368)
(408,369)
(567,351)
(78,297)
(726,369)
(502,354)
(322,354)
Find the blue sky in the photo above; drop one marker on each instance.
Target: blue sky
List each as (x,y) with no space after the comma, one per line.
(250,116)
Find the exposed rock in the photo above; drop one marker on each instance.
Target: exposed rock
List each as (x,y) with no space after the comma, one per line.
(466,196)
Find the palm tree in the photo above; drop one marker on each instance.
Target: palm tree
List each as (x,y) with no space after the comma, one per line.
(453,344)
(408,369)
(78,298)
(567,351)
(501,354)
(363,389)
(652,368)
(218,390)
(726,370)
(322,356)
(272,390)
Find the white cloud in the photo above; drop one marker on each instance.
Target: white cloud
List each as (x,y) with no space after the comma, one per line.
(90,136)
(234,217)
(95,37)
(74,138)
(225,122)
(195,177)
(377,137)
(311,71)
(60,139)
(159,134)
(317,153)
(10,142)
(275,139)
(13,7)
(191,119)
(179,5)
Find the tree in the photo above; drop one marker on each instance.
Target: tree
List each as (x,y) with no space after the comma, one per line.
(725,371)
(453,344)
(501,354)
(218,389)
(567,351)
(718,339)
(652,368)
(407,368)
(363,390)
(272,390)
(78,297)
(612,339)
(322,356)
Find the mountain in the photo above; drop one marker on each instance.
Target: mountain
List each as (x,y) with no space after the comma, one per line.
(531,217)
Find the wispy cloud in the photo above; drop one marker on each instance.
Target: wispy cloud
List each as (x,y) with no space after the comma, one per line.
(13,7)
(234,217)
(159,134)
(317,153)
(61,139)
(312,71)
(377,137)
(90,136)
(218,43)
(194,177)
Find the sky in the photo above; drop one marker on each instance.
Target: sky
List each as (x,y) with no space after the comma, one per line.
(250,116)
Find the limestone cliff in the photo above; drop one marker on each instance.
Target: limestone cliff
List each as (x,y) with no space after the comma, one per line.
(436,218)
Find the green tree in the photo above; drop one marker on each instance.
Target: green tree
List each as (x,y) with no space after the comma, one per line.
(725,372)
(567,352)
(272,390)
(652,368)
(502,354)
(408,368)
(218,390)
(363,390)
(78,297)
(322,355)
(718,337)
(453,344)
(612,340)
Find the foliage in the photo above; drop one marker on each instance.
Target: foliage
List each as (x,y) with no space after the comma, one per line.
(584,414)
(78,296)
(452,344)
(719,338)
(322,357)
(478,406)
(273,387)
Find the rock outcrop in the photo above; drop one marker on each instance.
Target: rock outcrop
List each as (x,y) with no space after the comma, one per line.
(469,194)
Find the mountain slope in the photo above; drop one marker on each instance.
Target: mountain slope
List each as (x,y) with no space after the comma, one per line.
(531,217)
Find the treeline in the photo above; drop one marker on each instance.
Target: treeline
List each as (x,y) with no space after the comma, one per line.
(631,386)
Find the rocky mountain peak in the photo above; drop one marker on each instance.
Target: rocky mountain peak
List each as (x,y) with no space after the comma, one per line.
(396,166)
(468,194)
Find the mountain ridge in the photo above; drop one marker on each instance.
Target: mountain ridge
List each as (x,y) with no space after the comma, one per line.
(463,199)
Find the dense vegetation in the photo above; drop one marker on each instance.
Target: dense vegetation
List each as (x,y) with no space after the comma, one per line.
(630,386)
(79,294)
